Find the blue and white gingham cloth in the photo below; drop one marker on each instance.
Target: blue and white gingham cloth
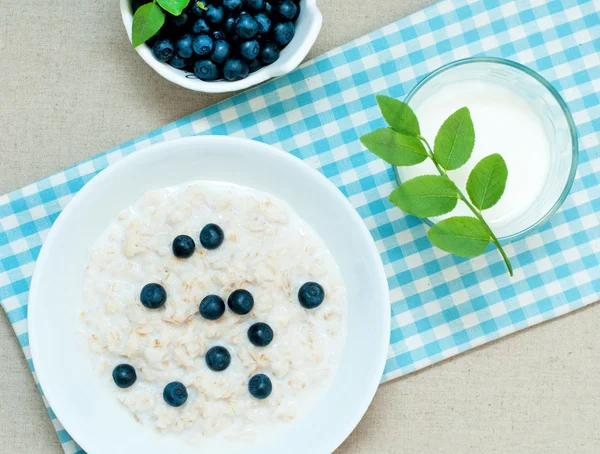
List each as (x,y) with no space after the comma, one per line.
(441,305)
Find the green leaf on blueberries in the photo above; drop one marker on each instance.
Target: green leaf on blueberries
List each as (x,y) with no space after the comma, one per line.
(175,7)
(487,181)
(395,148)
(399,116)
(455,140)
(425,196)
(460,235)
(147,20)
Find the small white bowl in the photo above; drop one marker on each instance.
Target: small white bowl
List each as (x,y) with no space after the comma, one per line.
(308,26)
(89,410)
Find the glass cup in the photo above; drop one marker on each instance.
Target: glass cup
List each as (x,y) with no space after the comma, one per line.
(557,122)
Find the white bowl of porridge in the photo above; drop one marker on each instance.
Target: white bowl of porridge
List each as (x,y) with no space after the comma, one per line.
(209,293)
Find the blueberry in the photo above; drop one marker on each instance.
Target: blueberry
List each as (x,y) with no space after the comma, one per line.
(202,44)
(196,9)
(175,394)
(212,307)
(246,26)
(206,70)
(283,33)
(254,65)
(260,334)
(260,386)
(183,46)
(232,6)
(177,22)
(178,62)
(250,49)
(214,14)
(218,35)
(153,296)
(229,26)
(124,375)
(183,246)
(295,18)
(211,235)
(286,10)
(254,5)
(220,51)
(235,69)
(264,22)
(200,26)
(269,53)
(163,50)
(311,295)
(218,358)
(240,301)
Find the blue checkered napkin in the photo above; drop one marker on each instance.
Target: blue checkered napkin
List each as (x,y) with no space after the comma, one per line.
(441,305)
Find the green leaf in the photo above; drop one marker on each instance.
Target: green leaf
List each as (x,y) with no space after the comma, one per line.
(425,196)
(455,140)
(399,116)
(487,181)
(147,20)
(175,7)
(395,148)
(461,235)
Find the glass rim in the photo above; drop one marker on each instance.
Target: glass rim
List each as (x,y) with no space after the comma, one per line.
(566,112)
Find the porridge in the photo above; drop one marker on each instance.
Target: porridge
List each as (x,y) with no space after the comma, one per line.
(213,309)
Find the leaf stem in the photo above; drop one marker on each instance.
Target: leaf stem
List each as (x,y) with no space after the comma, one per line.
(475,211)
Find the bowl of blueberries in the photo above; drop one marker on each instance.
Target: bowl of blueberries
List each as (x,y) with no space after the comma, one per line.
(217,46)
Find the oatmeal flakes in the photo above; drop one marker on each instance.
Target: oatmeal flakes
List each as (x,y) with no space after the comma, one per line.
(269,251)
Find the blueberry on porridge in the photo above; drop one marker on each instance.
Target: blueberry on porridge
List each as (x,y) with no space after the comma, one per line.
(183,246)
(311,295)
(175,394)
(155,312)
(212,307)
(218,359)
(211,236)
(241,302)
(260,334)
(260,386)
(153,296)
(124,375)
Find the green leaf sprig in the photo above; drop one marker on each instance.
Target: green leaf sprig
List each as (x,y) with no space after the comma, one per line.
(434,195)
(149,18)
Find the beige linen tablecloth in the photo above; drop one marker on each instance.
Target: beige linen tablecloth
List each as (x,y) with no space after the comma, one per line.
(70,87)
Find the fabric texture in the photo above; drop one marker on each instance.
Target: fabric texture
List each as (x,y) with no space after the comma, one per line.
(441,305)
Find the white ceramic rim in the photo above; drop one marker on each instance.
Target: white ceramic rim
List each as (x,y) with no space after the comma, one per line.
(285,65)
(66,419)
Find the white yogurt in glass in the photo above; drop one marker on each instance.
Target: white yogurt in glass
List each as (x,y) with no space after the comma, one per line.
(268,250)
(514,114)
